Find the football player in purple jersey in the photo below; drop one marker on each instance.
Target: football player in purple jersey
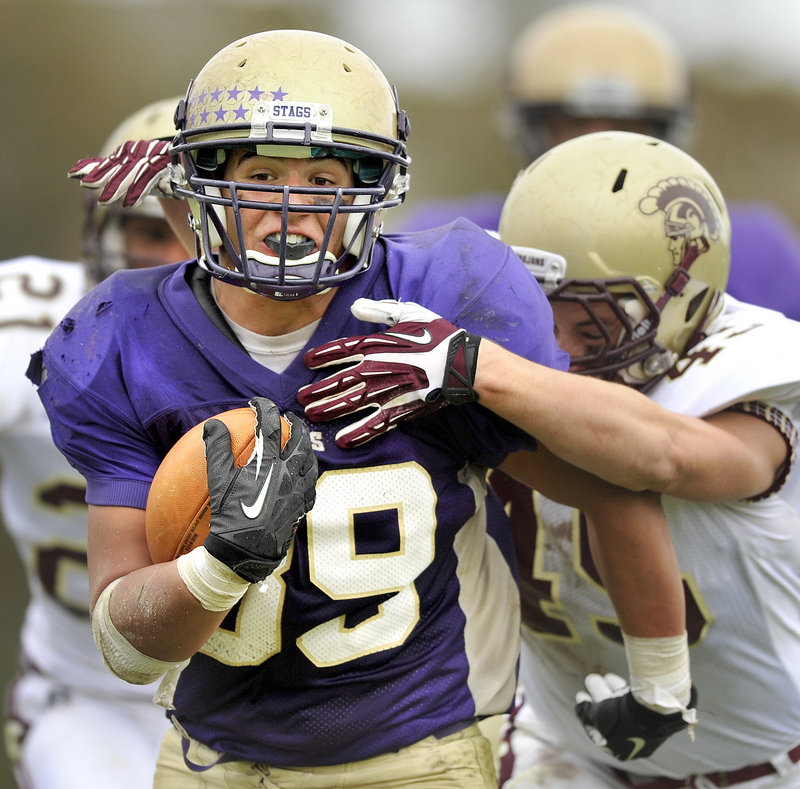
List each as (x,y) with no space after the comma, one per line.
(358,645)
(594,67)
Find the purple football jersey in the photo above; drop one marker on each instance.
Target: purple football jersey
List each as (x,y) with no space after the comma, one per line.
(765,246)
(396,614)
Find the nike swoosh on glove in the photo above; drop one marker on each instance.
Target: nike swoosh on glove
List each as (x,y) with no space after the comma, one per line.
(255,509)
(622,726)
(402,373)
(132,171)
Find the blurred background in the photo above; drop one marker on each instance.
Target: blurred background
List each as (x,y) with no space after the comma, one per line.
(75,68)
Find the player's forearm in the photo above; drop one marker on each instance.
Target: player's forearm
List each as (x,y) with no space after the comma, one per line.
(629,538)
(632,548)
(639,568)
(157,614)
(634,554)
(607,429)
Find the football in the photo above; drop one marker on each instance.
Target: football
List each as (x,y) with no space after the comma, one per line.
(178,514)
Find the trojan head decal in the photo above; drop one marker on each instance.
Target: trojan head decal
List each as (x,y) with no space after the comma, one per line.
(691,217)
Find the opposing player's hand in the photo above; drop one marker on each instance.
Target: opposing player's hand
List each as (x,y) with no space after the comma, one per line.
(408,371)
(255,509)
(133,171)
(621,725)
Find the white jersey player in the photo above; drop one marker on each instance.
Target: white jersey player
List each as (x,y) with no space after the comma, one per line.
(644,236)
(70,723)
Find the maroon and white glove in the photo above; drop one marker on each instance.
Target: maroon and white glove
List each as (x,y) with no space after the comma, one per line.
(402,373)
(133,171)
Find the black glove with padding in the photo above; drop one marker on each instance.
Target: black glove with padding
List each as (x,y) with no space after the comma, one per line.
(622,726)
(255,509)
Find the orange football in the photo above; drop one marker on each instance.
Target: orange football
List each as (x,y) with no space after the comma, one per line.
(178,514)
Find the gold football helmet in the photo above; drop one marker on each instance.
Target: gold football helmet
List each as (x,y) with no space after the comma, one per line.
(644,231)
(594,61)
(103,242)
(290,93)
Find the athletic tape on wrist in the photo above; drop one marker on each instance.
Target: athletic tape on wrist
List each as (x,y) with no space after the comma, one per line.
(212,582)
(120,656)
(659,671)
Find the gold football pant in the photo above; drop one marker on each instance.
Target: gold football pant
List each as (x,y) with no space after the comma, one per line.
(459,761)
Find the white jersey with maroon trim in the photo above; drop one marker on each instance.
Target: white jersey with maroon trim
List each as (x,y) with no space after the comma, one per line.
(43,510)
(740,563)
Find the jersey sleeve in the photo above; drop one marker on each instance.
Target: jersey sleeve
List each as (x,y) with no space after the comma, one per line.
(476,281)
(711,374)
(81,384)
(480,285)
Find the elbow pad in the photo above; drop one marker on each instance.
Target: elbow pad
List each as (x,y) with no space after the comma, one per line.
(119,655)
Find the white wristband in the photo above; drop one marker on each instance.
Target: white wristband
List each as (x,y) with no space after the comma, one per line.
(212,582)
(120,656)
(659,671)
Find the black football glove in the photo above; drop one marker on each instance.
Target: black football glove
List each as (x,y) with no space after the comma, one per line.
(410,370)
(621,725)
(255,509)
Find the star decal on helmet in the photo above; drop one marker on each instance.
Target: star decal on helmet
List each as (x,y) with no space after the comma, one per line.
(217,103)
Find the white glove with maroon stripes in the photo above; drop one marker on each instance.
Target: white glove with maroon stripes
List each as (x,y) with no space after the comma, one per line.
(131,172)
(410,370)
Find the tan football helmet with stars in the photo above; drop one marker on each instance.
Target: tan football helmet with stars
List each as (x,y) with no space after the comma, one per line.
(291,93)
(644,231)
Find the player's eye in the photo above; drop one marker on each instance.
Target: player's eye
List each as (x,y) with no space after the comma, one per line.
(259,176)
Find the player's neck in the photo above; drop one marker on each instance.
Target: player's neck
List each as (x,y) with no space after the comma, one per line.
(267,316)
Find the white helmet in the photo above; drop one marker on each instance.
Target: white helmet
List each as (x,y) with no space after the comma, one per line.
(290,93)
(103,243)
(595,61)
(644,230)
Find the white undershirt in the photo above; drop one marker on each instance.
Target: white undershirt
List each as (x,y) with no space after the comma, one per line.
(275,353)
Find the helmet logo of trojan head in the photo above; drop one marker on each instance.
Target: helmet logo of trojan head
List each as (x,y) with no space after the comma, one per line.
(691,218)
